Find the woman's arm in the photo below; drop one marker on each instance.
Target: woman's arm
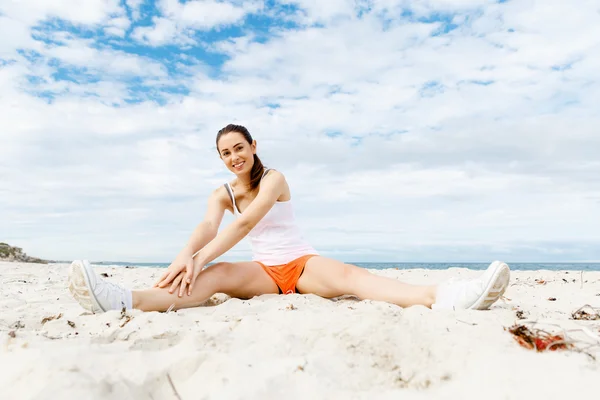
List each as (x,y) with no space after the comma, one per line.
(271,188)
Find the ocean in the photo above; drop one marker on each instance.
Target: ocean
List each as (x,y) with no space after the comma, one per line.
(530,266)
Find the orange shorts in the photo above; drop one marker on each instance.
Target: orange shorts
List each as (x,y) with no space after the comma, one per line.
(286,276)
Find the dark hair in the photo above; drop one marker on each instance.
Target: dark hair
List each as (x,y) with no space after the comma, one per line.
(257,169)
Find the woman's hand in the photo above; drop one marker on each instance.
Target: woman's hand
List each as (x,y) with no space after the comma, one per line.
(181,273)
(191,275)
(186,278)
(173,275)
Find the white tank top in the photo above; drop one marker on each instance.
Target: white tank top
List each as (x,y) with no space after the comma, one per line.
(276,239)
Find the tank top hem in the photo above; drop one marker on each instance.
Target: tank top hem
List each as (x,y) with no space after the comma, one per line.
(279,260)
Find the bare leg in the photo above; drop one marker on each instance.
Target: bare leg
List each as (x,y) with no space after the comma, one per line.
(330,278)
(241,280)
(322,276)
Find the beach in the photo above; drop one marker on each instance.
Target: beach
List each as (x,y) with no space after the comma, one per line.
(293,346)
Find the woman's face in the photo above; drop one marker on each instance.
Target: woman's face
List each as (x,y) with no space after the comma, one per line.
(236,152)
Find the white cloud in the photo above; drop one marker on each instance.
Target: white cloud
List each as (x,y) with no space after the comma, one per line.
(80,53)
(313,11)
(461,146)
(135,6)
(179,21)
(118,26)
(32,11)
(206,14)
(162,32)
(17,31)
(20,20)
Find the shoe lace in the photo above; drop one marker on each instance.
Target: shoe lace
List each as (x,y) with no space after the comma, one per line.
(111,292)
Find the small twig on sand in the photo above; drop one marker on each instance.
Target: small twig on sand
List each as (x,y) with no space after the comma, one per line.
(592,314)
(466,322)
(173,387)
(124,318)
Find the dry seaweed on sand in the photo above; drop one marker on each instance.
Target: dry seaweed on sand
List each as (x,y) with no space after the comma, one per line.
(537,339)
(53,317)
(520,314)
(530,337)
(587,313)
(124,317)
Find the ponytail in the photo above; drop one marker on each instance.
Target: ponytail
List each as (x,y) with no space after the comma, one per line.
(256,174)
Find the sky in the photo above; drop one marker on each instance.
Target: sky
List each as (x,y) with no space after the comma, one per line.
(438,130)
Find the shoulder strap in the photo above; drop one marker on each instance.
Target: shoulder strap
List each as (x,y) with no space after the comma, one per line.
(265,172)
(231,196)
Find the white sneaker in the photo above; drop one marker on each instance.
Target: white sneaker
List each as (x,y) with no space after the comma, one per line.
(475,294)
(93,293)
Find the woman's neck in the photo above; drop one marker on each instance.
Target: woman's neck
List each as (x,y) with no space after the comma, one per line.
(244,180)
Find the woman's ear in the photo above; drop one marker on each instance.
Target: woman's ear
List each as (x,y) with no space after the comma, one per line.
(253,146)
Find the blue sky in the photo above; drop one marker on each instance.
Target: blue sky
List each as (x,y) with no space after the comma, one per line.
(441,130)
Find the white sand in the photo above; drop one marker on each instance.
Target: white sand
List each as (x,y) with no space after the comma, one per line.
(288,347)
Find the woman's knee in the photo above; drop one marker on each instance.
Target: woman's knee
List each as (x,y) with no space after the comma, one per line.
(350,276)
(342,280)
(242,280)
(218,275)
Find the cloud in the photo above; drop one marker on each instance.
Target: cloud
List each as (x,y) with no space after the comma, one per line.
(118,26)
(79,53)
(162,31)
(30,12)
(135,8)
(449,131)
(207,14)
(179,21)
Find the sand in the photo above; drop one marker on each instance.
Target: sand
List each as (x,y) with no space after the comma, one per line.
(292,347)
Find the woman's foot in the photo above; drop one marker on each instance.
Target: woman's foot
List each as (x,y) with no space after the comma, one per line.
(474,294)
(93,293)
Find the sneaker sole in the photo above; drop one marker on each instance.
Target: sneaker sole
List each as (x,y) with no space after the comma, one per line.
(495,288)
(80,288)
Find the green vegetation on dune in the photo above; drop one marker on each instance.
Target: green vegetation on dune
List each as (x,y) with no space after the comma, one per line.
(10,253)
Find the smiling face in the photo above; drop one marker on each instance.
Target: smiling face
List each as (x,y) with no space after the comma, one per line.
(236,152)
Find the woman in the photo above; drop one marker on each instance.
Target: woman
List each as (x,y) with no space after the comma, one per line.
(283,261)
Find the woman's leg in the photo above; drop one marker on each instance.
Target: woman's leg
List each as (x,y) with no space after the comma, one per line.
(330,278)
(241,280)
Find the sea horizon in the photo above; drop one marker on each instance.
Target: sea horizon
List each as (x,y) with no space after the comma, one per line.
(516,266)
